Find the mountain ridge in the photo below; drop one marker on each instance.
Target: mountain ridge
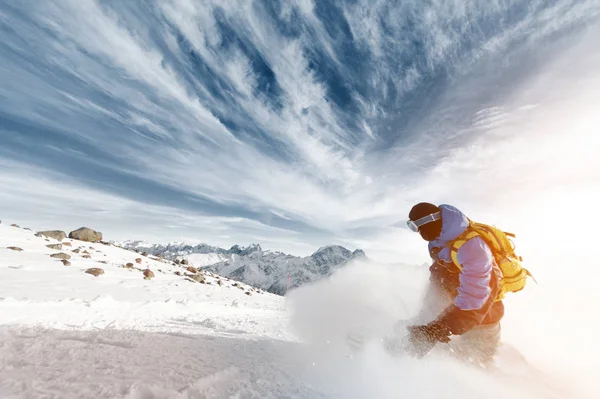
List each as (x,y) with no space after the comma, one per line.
(273,271)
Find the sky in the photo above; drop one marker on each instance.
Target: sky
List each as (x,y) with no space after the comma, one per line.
(298,124)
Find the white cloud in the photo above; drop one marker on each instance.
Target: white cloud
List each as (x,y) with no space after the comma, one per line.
(319,171)
(50,201)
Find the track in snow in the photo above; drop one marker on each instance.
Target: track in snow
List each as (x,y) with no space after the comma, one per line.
(129,364)
(40,363)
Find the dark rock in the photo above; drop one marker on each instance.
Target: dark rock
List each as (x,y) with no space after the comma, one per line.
(86,234)
(148,274)
(95,271)
(192,269)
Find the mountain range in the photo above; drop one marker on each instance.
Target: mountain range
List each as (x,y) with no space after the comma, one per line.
(273,271)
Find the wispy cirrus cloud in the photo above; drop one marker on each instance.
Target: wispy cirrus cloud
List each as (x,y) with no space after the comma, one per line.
(312,121)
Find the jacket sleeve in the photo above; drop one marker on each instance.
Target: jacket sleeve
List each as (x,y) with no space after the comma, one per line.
(473,300)
(476,260)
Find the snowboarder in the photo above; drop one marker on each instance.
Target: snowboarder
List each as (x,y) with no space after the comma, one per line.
(466,285)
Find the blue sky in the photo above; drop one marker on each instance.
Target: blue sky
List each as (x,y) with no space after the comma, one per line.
(293,124)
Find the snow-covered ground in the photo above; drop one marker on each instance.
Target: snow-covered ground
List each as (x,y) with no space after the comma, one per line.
(38,290)
(201,260)
(68,334)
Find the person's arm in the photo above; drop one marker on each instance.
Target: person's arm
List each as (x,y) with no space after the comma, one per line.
(470,305)
(474,291)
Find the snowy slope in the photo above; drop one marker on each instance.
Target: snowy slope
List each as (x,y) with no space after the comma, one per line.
(68,334)
(35,287)
(201,260)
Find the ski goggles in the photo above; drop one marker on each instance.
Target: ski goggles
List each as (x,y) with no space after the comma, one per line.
(414,225)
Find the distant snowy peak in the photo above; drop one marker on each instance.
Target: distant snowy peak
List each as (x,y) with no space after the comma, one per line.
(242,251)
(335,254)
(178,249)
(277,272)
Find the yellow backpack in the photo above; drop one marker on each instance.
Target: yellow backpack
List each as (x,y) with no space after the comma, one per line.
(514,275)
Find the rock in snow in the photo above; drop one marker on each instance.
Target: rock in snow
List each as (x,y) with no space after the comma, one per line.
(148,274)
(94,271)
(199,278)
(192,269)
(86,234)
(58,235)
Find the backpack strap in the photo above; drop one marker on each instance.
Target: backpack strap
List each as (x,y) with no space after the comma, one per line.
(459,242)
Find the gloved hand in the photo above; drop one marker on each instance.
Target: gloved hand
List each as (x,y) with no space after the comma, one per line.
(423,338)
